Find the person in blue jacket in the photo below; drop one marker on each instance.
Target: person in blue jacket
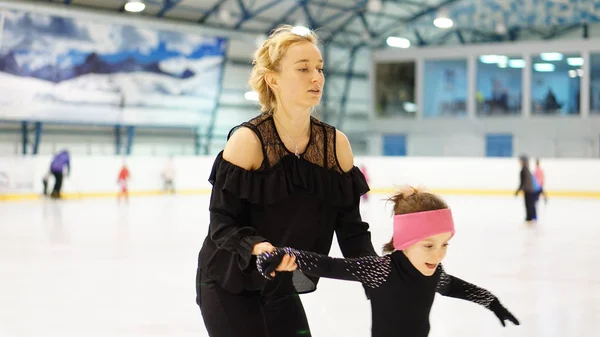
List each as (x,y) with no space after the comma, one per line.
(60,161)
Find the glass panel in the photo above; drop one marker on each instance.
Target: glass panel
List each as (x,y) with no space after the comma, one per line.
(555,84)
(499,145)
(595,84)
(445,88)
(499,85)
(394,145)
(395,89)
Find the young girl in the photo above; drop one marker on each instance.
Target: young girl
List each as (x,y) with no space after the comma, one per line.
(122,180)
(401,285)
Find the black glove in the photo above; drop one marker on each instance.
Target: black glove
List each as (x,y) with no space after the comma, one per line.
(502,313)
(266,263)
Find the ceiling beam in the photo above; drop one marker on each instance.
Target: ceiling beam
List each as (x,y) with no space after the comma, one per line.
(167,6)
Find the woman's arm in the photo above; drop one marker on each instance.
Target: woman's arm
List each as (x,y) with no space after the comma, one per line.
(352,232)
(371,271)
(243,150)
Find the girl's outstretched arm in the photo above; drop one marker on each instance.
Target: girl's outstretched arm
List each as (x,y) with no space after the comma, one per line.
(454,287)
(371,271)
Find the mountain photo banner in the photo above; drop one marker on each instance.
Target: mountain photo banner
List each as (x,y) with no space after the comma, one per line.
(70,70)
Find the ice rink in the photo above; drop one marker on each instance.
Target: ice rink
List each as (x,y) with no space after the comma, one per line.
(93,267)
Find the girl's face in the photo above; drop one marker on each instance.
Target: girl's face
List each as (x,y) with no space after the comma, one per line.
(427,254)
(300,81)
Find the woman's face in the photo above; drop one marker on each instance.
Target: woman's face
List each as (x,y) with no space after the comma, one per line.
(299,83)
(427,254)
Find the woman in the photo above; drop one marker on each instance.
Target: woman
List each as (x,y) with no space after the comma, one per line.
(283,179)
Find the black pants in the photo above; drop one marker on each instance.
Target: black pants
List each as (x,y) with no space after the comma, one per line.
(530,201)
(45,182)
(58,180)
(251,314)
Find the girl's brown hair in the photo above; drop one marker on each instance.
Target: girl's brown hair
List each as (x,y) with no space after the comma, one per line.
(412,200)
(268,57)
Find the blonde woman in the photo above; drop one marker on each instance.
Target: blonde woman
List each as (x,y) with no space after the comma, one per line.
(284,179)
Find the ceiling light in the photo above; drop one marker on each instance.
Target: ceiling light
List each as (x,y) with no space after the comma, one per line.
(491,59)
(224,16)
(300,30)
(398,42)
(135,6)
(443,23)
(500,28)
(251,96)
(551,56)
(409,107)
(575,61)
(374,5)
(572,73)
(260,39)
(516,63)
(544,67)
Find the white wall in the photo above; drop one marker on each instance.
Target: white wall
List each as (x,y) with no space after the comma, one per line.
(459,175)
(561,137)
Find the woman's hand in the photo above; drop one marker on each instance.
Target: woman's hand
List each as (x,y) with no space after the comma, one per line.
(262,247)
(268,263)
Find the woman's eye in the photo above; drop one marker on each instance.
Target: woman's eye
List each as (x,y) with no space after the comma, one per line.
(320,70)
(428,246)
(303,69)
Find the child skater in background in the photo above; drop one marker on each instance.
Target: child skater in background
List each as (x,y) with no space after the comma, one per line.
(122,180)
(539,176)
(402,284)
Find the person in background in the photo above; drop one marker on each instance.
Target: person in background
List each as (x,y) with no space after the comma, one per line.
(526,184)
(539,176)
(60,161)
(124,176)
(168,176)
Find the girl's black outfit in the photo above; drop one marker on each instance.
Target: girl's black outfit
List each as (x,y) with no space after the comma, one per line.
(298,201)
(401,296)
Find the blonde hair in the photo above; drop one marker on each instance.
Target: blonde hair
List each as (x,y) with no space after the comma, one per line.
(268,57)
(412,200)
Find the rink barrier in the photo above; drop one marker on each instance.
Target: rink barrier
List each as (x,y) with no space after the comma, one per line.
(378,191)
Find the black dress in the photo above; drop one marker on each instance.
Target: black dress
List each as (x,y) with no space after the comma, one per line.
(288,201)
(401,296)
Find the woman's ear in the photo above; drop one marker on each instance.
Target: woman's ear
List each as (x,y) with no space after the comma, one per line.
(271,80)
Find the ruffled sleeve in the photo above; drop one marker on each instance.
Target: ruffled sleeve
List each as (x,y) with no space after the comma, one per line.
(286,177)
(352,232)
(225,208)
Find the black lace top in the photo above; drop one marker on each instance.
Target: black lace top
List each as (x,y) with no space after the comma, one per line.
(289,201)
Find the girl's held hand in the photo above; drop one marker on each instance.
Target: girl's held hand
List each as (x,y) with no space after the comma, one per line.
(288,263)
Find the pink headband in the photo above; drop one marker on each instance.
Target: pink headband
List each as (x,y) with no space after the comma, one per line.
(414,227)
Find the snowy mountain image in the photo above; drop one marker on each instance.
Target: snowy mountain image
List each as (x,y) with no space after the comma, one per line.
(69,63)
